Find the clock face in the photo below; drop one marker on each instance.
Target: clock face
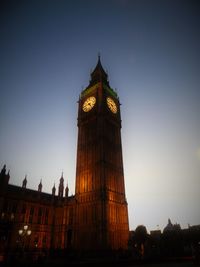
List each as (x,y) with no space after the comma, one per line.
(111,104)
(89,103)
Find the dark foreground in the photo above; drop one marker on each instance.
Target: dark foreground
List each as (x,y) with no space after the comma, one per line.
(103,262)
(128,264)
(95,259)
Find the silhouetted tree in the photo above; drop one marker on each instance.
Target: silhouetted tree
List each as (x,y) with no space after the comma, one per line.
(141,237)
(141,234)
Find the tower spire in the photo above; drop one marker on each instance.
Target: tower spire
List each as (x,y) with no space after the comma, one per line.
(99,74)
(99,167)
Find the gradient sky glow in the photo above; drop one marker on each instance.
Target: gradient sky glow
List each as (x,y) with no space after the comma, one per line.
(151,51)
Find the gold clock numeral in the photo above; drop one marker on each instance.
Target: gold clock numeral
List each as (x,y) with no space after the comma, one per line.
(89,103)
(111,104)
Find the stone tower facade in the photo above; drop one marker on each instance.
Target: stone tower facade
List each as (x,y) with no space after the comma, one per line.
(101,214)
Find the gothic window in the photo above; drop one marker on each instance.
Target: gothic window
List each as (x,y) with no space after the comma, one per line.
(86,214)
(31,214)
(36,241)
(94,214)
(14,208)
(39,216)
(69,238)
(5,206)
(24,209)
(70,216)
(23,213)
(46,216)
(44,241)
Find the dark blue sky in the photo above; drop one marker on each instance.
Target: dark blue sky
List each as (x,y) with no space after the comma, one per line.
(151,50)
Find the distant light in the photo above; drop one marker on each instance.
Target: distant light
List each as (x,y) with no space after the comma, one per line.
(20,232)
(29,232)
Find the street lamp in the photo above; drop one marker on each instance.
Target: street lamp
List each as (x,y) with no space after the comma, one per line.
(24,233)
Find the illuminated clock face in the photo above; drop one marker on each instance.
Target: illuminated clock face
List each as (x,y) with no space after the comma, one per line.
(111,104)
(89,103)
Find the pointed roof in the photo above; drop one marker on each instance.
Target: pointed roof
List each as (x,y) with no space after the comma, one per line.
(67,188)
(54,186)
(40,186)
(3,171)
(61,178)
(98,74)
(54,189)
(24,182)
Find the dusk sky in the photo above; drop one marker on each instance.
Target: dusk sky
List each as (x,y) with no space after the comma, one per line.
(151,51)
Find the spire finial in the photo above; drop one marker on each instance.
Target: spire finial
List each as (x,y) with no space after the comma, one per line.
(54,189)
(66,190)
(3,171)
(40,186)
(24,182)
(99,56)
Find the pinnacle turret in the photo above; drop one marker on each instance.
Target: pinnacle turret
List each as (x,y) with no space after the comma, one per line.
(61,186)
(24,182)
(66,191)
(40,186)
(54,190)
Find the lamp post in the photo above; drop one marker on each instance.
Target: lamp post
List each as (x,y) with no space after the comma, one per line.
(24,233)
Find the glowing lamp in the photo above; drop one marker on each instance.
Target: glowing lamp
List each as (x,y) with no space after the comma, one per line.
(20,232)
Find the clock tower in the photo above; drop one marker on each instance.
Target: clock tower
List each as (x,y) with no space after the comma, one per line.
(101,221)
